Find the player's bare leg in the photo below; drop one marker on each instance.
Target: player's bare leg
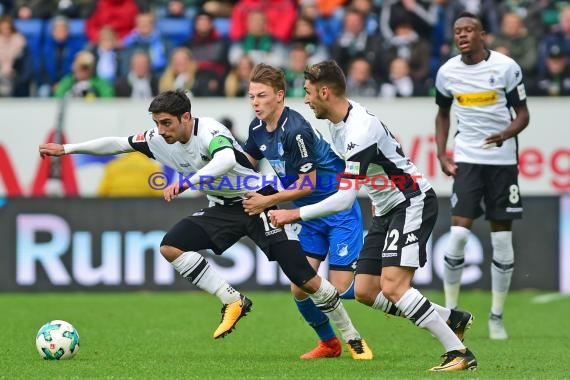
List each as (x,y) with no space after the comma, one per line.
(396,288)
(368,290)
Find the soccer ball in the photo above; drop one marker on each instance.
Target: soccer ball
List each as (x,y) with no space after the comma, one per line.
(57,340)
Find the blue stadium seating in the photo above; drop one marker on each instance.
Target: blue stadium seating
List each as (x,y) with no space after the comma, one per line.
(177,30)
(76,29)
(222,25)
(32,29)
(328,29)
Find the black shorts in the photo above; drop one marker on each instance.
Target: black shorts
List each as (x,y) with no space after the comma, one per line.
(399,238)
(495,185)
(219,227)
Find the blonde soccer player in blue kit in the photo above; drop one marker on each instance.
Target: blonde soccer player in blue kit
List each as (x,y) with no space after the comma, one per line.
(308,170)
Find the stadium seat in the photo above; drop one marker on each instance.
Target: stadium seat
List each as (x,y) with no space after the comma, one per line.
(222,25)
(32,29)
(177,30)
(76,29)
(328,29)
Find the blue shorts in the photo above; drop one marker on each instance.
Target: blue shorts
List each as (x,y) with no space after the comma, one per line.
(338,235)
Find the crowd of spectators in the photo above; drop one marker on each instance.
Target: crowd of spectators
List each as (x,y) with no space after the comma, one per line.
(387,48)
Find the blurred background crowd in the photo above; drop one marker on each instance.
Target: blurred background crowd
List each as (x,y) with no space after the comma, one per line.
(387,48)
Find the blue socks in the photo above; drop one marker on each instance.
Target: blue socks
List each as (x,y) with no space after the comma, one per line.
(315,318)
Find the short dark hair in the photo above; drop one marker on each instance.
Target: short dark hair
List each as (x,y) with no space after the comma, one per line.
(175,103)
(327,73)
(470,15)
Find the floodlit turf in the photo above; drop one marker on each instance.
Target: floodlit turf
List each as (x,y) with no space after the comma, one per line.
(169,335)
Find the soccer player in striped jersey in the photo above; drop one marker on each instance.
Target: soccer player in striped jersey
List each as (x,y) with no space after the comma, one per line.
(405,213)
(211,161)
(483,86)
(307,167)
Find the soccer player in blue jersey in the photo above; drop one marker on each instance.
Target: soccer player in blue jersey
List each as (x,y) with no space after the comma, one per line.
(307,168)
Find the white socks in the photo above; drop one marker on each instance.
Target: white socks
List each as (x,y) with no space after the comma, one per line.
(443,312)
(501,269)
(327,300)
(196,269)
(382,303)
(454,261)
(421,312)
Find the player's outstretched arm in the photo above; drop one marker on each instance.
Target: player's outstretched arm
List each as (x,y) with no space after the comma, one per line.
(103,146)
(305,185)
(339,201)
(222,162)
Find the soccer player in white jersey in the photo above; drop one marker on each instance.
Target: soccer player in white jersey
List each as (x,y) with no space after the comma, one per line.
(483,86)
(210,159)
(406,211)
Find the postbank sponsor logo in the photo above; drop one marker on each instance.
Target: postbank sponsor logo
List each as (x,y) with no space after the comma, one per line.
(477,99)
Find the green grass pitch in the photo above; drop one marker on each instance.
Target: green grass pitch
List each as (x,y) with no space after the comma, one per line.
(168,335)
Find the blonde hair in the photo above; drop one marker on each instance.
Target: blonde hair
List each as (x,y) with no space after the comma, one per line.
(83,58)
(233,81)
(268,75)
(168,78)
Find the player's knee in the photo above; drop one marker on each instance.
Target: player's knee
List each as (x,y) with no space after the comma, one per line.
(395,282)
(343,281)
(392,292)
(363,293)
(170,253)
(310,286)
(297,292)
(366,288)
(363,297)
(457,240)
(502,243)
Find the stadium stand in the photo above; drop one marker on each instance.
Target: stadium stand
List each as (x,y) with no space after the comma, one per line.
(33,30)
(222,25)
(76,29)
(176,30)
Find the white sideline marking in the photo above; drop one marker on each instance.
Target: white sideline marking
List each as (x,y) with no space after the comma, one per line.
(550,297)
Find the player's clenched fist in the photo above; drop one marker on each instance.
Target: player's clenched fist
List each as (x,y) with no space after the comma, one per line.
(51,149)
(281,217)
(171,192)
(448,166)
